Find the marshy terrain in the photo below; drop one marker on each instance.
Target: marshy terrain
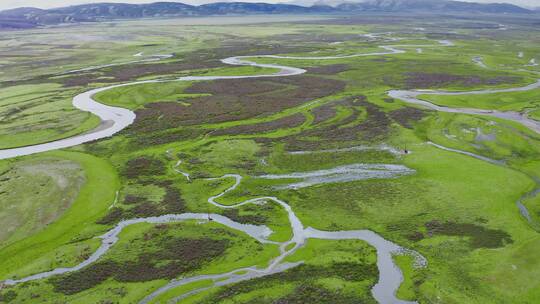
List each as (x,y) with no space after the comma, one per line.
(332,162)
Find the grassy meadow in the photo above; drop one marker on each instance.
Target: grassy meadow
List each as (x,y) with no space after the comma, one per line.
(458,211)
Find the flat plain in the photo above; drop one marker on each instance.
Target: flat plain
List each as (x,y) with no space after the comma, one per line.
(458,193)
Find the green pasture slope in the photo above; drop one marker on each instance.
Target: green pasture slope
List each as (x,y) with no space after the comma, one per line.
(56,244)
(458,211)
(38,113)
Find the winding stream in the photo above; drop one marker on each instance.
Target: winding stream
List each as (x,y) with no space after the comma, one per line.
(341,174)
(185,174)
(390,276)
(114,119)
(387,148)
(411,96)
(480,157)
(478,60)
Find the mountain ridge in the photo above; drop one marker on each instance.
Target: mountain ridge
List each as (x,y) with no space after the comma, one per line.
(29,17)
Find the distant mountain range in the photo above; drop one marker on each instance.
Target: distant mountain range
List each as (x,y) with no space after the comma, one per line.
(21,18)
(415,5)
(441,6)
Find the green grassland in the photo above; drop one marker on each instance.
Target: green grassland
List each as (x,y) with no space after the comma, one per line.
(459,212)
(33,114)
(54,244)
(516,101)
(47,184)
(340,271)
(228,250)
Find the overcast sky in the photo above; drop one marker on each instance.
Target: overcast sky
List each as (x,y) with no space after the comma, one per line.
(5,4)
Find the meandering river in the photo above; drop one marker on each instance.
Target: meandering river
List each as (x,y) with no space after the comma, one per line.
(390,276)
(411,96)
(115,119)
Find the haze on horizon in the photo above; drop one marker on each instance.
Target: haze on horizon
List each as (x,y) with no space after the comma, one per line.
(7,4)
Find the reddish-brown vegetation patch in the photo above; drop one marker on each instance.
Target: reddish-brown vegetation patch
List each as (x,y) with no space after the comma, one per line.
(135,207)
(176,256)
(204,59)
(236,47)
(429,80)
(330,69)
(478,236)
(315,37)
(226,87)
(143,166)
(132,199)
(151,128)
(374,127)
(282,123)
(323,113)
(235,99)
(308,291)
(407,116)
(254,219)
